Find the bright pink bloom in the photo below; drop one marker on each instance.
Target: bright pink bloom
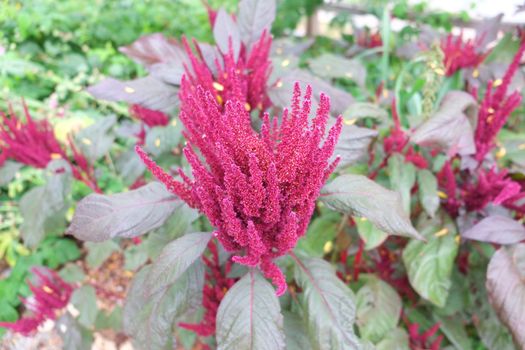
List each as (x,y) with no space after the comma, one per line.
(148,116)
(32,143)
(447,181)
(257,189)
(50,295)
(496,108)
(461,54)
(365,38)
(247,83)
(216,284)
(423,341)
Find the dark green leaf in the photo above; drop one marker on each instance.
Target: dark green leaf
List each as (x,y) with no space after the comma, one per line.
(455,331)
(329,305)
(249,316)
(135,256)
(360,196)
(100,217)
(72,273)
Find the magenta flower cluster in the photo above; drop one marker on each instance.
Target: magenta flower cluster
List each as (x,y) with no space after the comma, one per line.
(257,189)
(50,295)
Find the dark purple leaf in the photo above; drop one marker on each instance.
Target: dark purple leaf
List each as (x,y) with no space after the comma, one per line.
(329,305)
(450,128)
(358,195)
(255,16)
(170,73)
(353,144)
(149,92)
(175,259)
(506,289)
(100,217)
(249,316)
(487,30)
(96,140)
(155,48)
(226,30)
(496,229)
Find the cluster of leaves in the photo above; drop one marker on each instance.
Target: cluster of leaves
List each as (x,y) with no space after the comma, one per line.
(392,259)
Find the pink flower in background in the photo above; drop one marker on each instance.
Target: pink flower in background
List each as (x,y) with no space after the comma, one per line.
(496,108)
(149,117)
(257,189)
(365,38)
(31,143)
(50,295)
(461,54)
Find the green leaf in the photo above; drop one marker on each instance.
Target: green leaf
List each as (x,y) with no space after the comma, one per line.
(175,258)
(371,235)
(85,301)
(162,139)
(249,316)
(101,217)
(112,320)
(429,264)
(395,340)
(99,252)
(428,191)
(72,273)
(329,305)
(455,331)
(402,178)
(378,309)
(135,256)
(357,195)
(506,289)
(8,171)
(322,230)
(149,320)
(61,251)
(74,336)
(295,331)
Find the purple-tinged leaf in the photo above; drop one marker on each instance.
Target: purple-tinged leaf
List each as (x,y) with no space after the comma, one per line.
(211,55)
(100,217)
(353,144)
(496,229)
(149,92)
(226,30)
(449,128)
(96,140)
(155,48)
(170,73)
(74,336)
(329,305)
(149,320)
(487,30)
(255,16)
(249,316)
(358,195)
(295,332)
(175,259)
(506,289)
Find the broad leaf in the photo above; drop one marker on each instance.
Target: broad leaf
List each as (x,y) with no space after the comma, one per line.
(85,301)
(322,229)
(100,217)
(149,92)
(135,256)
(8,171)
(162,139)
(496,229)
(506,289)
(295,332)
(353,144)
(329,305)
(455,331)
(43,207)
(429,264)
(402,178)
(428,191)
(226,31)
(359,110)
(74,336)
(149,320)
(155,48)
(357,195)
(255,17)
(129,167)
(395,340)
(331,66)
(99,252)
(378,309)
(96,140)
(249,316)
(175,259)
(449,128)
(371,235)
